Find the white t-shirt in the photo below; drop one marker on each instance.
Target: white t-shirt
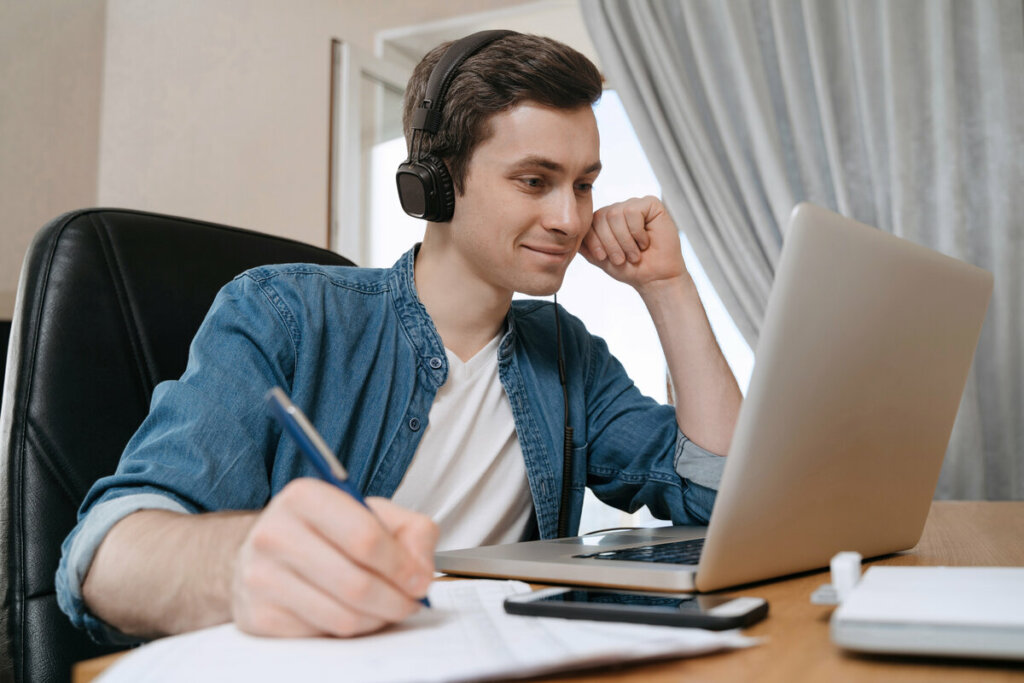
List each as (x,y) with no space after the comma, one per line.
(468,473)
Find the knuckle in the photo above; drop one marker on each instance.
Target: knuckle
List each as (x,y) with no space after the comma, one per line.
(347,624)
(357,590)
(431,529)
(364,542)
(296,491)
(425,527)
(264,538)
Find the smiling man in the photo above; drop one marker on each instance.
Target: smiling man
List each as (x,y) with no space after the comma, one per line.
(441,396)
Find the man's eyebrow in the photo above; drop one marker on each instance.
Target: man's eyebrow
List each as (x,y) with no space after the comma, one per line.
(551,165)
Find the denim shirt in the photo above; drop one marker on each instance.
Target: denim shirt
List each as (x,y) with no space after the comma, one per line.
(356,350)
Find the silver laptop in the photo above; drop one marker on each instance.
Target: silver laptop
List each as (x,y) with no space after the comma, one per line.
(863,356)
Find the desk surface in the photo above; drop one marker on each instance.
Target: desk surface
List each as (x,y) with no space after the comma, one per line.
(797,646)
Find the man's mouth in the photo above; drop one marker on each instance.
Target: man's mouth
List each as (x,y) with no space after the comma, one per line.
(554,252)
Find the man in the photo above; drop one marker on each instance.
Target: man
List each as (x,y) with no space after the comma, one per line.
(437,392)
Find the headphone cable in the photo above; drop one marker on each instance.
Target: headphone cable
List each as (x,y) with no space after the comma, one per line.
(563,510)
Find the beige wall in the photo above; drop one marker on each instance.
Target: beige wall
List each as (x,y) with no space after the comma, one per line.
(215,109)
(51,65)
(219,110)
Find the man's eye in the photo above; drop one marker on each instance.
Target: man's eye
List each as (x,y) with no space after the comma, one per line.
(533,182)
(584,187)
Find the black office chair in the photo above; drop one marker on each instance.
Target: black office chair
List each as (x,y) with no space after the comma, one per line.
(108,303)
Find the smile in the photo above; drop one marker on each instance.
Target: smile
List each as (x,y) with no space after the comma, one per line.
(551,252)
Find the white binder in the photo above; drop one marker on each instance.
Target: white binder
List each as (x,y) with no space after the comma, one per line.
(936,611)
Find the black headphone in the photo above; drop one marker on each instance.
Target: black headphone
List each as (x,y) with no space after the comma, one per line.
(424,184)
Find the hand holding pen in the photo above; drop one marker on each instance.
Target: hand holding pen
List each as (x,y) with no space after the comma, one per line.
(312,445)
(317,563)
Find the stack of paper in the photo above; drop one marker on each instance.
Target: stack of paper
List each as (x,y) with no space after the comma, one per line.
(465,636)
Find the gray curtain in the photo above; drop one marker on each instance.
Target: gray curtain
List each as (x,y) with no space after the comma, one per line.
(905,115)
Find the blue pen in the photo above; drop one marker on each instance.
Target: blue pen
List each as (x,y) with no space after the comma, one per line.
(312,445)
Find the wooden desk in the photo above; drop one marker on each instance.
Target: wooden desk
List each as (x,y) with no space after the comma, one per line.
(798,646)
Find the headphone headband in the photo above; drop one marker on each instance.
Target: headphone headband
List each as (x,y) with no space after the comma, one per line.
(428,115)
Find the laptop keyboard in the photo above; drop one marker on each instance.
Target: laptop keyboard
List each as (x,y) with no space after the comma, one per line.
(678,552)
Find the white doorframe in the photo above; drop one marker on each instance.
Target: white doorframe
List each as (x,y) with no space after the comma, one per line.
(348,232)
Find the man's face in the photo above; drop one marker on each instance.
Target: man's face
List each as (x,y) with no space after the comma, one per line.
(527,202)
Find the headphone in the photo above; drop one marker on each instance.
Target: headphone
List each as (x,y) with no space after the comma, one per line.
(424,184)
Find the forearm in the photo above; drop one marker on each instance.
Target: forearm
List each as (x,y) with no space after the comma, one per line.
(159,572)
(707,397)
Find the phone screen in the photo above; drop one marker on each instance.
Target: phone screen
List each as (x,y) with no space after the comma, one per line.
(636,599)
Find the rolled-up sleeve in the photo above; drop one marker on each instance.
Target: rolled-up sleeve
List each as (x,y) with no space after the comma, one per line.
(697,465)
(701,470)
(78,551)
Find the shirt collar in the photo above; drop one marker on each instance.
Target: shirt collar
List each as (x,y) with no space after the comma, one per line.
(414,318)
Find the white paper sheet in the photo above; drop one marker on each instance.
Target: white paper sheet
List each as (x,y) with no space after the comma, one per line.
(465,636)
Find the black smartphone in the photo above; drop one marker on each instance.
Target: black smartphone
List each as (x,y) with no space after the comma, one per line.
(715,612)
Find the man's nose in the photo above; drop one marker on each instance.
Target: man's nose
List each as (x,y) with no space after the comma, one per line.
(562,213)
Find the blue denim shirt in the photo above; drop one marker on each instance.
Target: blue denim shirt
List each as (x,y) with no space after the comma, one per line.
(358,353)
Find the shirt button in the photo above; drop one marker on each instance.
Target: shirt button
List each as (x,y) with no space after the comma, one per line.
(436,363)
(414,424)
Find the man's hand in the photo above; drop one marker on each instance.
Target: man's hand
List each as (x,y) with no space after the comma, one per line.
(313,562)
(636,242)
(316,562)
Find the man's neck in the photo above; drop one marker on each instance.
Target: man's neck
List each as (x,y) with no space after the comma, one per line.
(467,312)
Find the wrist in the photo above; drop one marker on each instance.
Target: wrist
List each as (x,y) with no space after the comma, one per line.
(674,289)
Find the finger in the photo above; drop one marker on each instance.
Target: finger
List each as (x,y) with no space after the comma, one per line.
(274,621)
(338,618)
(591,247)
(357,533)
(623,236)
(283,604)
(602,230)
(636,223)
(418,533)
(317,562)
(588,255)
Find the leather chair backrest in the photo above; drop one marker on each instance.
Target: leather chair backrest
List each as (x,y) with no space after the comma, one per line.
(108,303)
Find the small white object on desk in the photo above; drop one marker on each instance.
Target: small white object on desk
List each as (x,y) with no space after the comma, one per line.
(938,611)
(845,567)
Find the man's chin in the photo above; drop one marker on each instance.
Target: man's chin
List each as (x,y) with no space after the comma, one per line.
(540,288)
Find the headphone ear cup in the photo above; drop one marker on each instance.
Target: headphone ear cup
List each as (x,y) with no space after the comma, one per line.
(445,190)
(425,189)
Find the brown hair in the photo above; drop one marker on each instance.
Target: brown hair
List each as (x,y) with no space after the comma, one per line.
(514,69)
